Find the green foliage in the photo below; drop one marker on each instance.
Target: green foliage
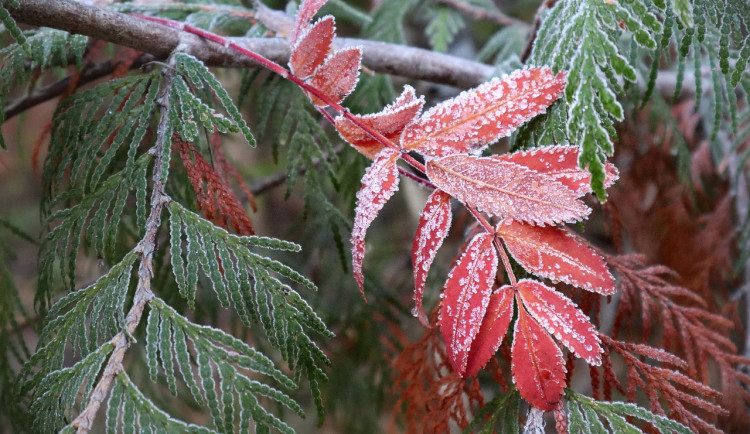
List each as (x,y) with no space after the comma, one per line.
(97,176)
(216,355)
(249,285)
(100,304)
(586,415)
(197,103)
(10,24)
(13,316)
(387,21)
(128,409)
(45,48)
(54,400)
(443,27)
(583,38)
(500,415)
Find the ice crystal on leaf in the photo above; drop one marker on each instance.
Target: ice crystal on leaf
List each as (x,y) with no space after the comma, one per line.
(337,77)
(465,298)
(433,227)
(506,189)
(378,185)
(538,368)
(478,117)
(389,122)
(305,13)
(313,47)
(557,254)
(560,317)
(493,330)
(561,163)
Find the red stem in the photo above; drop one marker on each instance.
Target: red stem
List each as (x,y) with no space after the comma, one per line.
(504,256)
(280,70)
(283,72)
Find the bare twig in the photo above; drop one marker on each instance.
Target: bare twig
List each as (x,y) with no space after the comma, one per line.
(89,74)
(483,14)
(145,247)
(142,35)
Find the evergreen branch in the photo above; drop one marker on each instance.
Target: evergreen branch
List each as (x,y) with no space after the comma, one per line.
(89,74)
(146,247)
(135,33)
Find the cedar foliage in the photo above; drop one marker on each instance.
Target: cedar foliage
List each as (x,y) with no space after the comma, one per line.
(139,175)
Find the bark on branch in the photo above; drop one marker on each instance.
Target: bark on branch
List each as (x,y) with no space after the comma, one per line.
(160,41)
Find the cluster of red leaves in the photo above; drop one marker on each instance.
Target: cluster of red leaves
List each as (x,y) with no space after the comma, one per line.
(213,195)
(527,194)
(431,396)
(530,192)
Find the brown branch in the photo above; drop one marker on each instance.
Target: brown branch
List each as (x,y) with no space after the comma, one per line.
(90,73)
(145,247)
(160,41)
(483,14)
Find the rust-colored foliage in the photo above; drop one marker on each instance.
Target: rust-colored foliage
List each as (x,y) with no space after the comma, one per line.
(689,328)
(690,402)
(431,396)
(213,195)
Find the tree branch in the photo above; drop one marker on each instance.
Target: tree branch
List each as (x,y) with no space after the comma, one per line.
(160,41)
(483,14)
(146,247)
(90,73)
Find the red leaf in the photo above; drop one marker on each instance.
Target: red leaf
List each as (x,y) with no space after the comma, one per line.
(312,48)
(338,76)
(390,122)
(557,254)
(561,164)
(305,13)
(433,227)
(537,363)
(378,185)
(477,117)
(506,189)
(493,330)
(562,318)
(465,298)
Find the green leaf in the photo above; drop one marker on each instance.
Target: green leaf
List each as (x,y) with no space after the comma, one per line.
(500,415)
(586,415)
(215,352)
(128,410)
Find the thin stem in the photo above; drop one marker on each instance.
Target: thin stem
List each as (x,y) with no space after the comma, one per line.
(504,256)
(146,248)
(283,72)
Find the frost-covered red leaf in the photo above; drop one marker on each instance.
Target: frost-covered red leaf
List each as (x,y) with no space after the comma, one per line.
(312,48)
(390,122)
(479,116)
(433,227)
(465,298)
(379,183)
(562,318)
(506,189)
(557,254)
(305,13)
(338,76)
(493,329)
(536,363)
(560,163)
